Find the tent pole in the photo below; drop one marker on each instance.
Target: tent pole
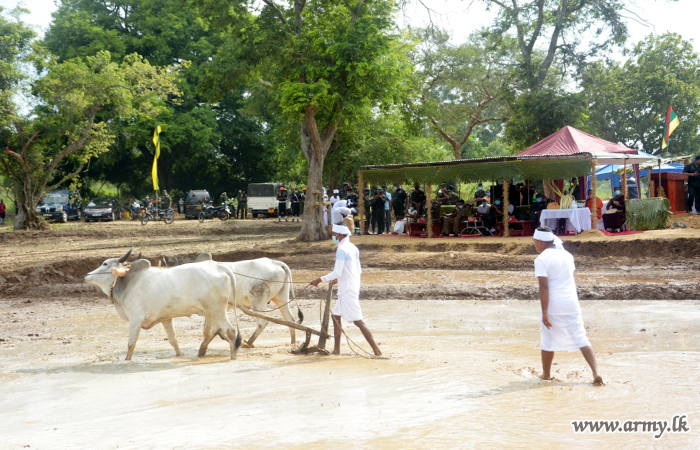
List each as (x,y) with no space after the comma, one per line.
(506,229)
(660,192)
(429,214)
(361,204)
(624,179)
(594,204)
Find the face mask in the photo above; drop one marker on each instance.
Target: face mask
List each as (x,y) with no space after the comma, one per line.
(335,239)
(461,206)
(498,202)
(617,192)
(538,200)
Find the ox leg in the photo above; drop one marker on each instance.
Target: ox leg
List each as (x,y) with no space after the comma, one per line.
(262,323)
(134,330)
(207,327)
(286,313)
(168,325)
(207,339)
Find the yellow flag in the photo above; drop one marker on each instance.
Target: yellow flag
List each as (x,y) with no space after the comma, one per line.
(154,170)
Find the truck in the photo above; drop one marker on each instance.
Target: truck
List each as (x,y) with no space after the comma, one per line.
(262,199)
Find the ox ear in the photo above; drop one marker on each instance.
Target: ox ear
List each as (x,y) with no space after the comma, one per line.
(206,256)
(141,264)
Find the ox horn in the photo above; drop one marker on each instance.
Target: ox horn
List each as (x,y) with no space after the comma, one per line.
(138,257)
(165,263)
(123,258)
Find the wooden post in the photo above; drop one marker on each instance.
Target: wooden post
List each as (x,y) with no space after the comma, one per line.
(506,228)
(661,193)
(326,316)
(594,204)
(361,205)
(429,214)
(624,178)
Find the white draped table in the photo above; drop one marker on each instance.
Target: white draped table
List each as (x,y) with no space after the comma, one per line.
(578,219)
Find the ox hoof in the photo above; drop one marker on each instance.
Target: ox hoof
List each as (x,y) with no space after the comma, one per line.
(245,344)
(202,352)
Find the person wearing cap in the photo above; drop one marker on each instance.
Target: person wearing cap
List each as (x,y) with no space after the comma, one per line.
(693,171)
(296,204)
(347,272)
(282,205)
(561,326)
(335,197)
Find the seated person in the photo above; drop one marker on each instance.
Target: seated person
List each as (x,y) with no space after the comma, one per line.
(454,219)
(614,216)
(400,226)
(480,192)
(492,215)
(598,202)
(482,208)
(535,210)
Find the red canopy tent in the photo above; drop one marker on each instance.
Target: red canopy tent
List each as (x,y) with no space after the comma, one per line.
(569,140)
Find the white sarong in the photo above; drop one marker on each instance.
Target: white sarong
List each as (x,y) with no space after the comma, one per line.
(567,333)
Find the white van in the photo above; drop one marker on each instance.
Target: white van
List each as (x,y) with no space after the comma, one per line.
(262,199)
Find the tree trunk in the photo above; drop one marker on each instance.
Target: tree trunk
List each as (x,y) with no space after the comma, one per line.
(27,218)
(315,146)
(313,229)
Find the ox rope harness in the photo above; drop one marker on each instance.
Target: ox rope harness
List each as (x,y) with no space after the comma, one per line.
(126,266)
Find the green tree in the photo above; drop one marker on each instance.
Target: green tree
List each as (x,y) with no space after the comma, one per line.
(628,102)
(462,87)
(197,145)
(15,49)
(537,114)
(558,33)
(325,62)
(64,126)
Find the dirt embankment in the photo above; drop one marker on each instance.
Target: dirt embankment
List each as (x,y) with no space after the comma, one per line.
(653,265)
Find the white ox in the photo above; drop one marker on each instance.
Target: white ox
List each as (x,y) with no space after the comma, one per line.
(259,282)
(146,296)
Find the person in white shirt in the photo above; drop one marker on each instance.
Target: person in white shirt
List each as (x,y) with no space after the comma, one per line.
(335,198)
(347,272)
(562,325)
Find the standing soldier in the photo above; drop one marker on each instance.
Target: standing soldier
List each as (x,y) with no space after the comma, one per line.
(366,201)
(242,205)
(282,205)
(296,204)
(167,201)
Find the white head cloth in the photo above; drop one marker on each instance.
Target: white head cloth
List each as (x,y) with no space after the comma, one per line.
(548,236)
(341,229)
(335,191)
(340,203)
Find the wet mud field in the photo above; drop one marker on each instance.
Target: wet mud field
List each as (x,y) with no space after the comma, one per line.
(457,319)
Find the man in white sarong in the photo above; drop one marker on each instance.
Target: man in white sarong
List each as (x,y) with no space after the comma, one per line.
(347,272)
(562,325)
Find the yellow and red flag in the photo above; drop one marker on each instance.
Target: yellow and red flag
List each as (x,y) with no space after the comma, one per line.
(672,123)
(156,142)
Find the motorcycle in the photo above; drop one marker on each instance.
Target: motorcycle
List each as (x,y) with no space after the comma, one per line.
(209,211)
(135,210)
(166,215)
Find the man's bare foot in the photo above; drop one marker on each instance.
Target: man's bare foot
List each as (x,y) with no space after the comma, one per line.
(335,351)
(547,378)
(598,381)
(377,352)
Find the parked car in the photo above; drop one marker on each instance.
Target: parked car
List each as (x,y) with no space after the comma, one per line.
(194,201)
(61,205)
(103,208)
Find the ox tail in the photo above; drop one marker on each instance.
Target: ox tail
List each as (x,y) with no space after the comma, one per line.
(288,274)
(232,300)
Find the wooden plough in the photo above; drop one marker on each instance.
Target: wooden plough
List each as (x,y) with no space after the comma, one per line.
(322,334)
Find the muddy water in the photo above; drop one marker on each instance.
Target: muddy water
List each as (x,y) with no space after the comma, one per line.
(459,374)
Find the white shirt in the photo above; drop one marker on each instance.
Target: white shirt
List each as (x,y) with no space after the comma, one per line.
(558,266)
(483,208)
(347,271)
(334,199)
(511,208)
